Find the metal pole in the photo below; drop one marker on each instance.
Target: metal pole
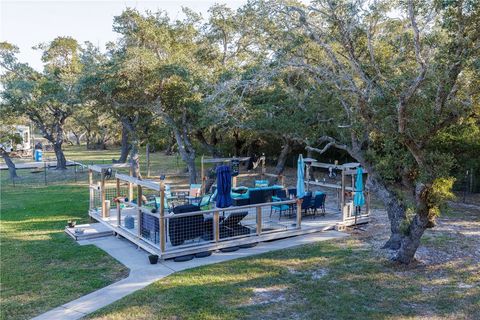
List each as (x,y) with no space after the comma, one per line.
(45,172)
(148,159)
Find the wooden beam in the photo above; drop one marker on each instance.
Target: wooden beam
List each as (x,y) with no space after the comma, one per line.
(202,175)
(103,195)
(119,209)
(342,195)
(130,185)
(140,212)
(299,213)
(161,224)
(216,225)
(222,160)
(90,184)
(259,220)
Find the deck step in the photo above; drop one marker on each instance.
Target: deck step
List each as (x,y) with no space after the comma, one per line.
(90,231)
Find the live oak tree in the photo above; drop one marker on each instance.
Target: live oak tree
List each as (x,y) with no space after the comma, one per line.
(47,98)
(8,139)
(400,82)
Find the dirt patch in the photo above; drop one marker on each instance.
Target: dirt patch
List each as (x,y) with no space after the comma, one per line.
(456,237)
(267,295)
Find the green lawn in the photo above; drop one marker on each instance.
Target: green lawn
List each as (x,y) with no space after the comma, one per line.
(339,279)
(41,267)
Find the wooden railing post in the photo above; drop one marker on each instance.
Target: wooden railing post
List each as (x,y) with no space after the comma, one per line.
(161,225)
(90,183)
(259,220)
(103,195)
(367,208)
(140,213)
(342,190)
(202,176)
(130,186)
(119,210)
(299,213)
(216,225)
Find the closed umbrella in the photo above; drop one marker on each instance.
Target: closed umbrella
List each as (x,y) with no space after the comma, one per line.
(300,177)
(358,197)
(224,187)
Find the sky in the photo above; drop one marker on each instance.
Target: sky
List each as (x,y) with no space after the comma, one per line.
(28,23)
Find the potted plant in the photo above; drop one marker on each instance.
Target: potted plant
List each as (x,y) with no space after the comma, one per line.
(71,223)
(153,258)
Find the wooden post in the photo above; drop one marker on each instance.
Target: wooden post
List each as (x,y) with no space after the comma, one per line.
(161,224)
(307,177)
(368,203)
(90,183)
(130,185)
(119,210)
(342,190)
(202,176)
(103,194)
(148,159)
(234,182)
(259,220)
(263,167)
(282,180)
(299,213)
(140,213)
(216,225)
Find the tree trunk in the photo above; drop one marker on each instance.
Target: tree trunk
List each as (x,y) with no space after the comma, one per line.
(395,208)
(418,225)
(125,146)
(411,241)
(201,138)
(187,153)
(61,160)
(77,138)
(238,143)
(192,171)
(135,160)
(282,158)
(12,170)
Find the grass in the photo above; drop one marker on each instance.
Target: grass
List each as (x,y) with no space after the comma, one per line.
(41,267)
(339,279)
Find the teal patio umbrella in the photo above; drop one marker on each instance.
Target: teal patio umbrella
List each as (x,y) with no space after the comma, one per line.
(358,197)
(300,176)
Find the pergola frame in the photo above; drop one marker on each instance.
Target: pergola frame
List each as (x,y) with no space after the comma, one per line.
(102,169)
(263,172)
(346,169)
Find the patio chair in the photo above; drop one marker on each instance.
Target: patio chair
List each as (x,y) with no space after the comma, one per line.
(292,192)
(231,226)
(280,207)
(319,203)
(203,202)
(185,228)
(260,196)
(280,193)
(306,204)
(228,227)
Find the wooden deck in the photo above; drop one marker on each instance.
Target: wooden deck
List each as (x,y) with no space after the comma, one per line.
(272,227)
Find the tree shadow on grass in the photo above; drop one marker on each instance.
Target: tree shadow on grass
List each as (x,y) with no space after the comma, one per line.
(354,283)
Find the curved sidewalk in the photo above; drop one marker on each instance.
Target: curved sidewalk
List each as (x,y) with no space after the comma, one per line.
(142,273)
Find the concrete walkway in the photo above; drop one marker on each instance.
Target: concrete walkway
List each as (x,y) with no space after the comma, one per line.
(142,273)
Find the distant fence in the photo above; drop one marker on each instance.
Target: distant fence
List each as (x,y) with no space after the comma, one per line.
(44,173)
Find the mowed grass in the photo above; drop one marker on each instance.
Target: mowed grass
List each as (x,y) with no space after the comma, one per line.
(338,279)
(158,160)
(41,267)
